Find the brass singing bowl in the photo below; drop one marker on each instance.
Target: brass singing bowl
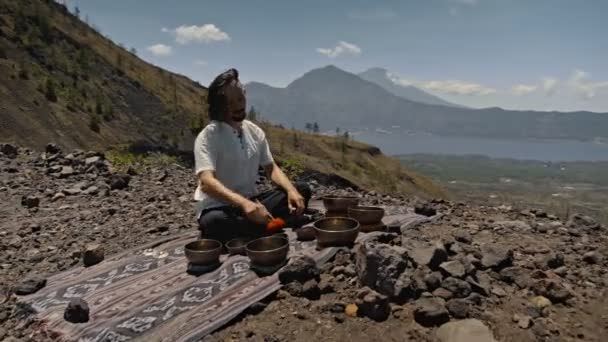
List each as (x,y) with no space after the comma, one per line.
(237,246)
(203,252)
(339,204)
(268,250)
(366,215)
(336,231)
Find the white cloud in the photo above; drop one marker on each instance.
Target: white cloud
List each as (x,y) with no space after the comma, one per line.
(523,89)
(455,87)
(201,63)
(549,85)
(160,50)
(343,48)
(206,33)
(400,81)
(373,14)
(458,87)
(580,84)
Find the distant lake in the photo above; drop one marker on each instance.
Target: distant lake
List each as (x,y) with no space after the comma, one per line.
(545,150)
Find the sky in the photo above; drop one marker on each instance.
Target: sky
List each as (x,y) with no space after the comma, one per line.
(515,54)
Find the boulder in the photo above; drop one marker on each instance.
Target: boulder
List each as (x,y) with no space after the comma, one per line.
(93,254)
(372,304)
(453,268)
(552,290)
(458,287)
(516,275)
(92,160)
(30,285)
(311,290)
(430,311)
(431,255)
(77,311)
(495,256)
(458,307)
(299,269)
(467,330)
(425,209)
(386,269)
(66,171)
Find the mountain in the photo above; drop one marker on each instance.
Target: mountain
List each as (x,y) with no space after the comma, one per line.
(61,81)
(335,98)
(381,78)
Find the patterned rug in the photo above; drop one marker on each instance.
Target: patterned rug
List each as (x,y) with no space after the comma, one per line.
(146,294)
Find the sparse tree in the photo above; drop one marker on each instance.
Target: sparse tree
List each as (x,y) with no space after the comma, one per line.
(23,73)
(308,127)
(296,142)
(337,130)
(252,115)
(77,12)
(133,51)
(98,106)
(94,124)
(49,91)
(315,127)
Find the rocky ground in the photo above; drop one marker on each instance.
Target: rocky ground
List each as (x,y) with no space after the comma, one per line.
(516,275)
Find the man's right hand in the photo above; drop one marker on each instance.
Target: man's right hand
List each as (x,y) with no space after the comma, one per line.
(256,212)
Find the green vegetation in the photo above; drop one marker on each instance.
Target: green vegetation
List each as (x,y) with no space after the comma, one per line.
(561,188)
(122,160)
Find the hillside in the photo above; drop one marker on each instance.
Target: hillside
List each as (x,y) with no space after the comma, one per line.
(63,82)
(380,77)
(335,98)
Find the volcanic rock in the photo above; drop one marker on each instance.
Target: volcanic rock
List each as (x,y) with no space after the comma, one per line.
(430,312)
(119,181)
(429,255)
(551,289)
(453,268)
(77,311)
(30,286)
(458,308)
(458,287)
(385,269)
(52,149)
(373,304)
(467,330)
(425,209)
(93,254)
(496,256)
(299,269)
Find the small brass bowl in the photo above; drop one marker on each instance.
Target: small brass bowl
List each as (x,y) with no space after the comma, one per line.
(366,215)
(268,251)
(237,246)
(339,204)
(203,252)
(336,231)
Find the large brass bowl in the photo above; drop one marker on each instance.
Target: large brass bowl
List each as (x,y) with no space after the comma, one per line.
(336,231)
(339,204)
(366,215)
(203,252)
(268,251)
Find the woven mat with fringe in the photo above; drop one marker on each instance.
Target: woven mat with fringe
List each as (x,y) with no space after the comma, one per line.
(146,294)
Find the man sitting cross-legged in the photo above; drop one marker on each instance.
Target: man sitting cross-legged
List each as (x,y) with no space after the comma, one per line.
(228,153)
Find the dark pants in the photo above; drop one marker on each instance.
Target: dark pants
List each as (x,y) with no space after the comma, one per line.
(227,222)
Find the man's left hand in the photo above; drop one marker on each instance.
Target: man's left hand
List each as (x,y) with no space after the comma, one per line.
(295,202)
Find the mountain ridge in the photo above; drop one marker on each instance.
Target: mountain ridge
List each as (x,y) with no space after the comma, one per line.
(338,99)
